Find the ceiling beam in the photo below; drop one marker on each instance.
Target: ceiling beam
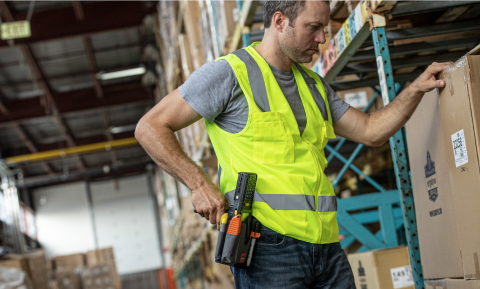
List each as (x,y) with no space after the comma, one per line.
(23,110)
(3,108)
(6,14)
(31,147)
(54,57)
(78,10)
(23,136)
(63,77)
(89,174)
(50,101)
(99,17)
(92,64)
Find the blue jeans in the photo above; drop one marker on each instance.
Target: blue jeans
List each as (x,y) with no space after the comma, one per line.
(283,262)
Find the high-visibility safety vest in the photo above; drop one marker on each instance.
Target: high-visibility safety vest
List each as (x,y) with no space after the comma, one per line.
(293,195)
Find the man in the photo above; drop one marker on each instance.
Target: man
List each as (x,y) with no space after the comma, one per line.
(267,114)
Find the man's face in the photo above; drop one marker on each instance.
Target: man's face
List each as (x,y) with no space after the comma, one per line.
(301,41)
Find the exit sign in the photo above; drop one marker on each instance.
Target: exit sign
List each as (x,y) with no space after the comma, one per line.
(14,30)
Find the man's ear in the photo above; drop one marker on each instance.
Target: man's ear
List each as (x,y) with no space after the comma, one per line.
(279,21)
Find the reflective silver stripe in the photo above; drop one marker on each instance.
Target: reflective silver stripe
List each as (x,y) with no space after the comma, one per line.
(255,77)
(281,201)
(327,203)
(219,174)
(317,96)
(287,202)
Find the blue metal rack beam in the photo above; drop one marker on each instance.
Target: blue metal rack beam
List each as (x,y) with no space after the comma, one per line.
(399,152)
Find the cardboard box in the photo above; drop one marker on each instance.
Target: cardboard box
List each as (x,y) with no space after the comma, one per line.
(98,277)
(225,11)
(104,256)
(40,270)
(360,97)
(16,261)
(437,232)
(382,5)
(452,284)
(460,118)
(382,269)
(68,279)
(70,261)
(447,185)
(54,284)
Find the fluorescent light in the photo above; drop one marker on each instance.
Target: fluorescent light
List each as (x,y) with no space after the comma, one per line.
(121,73)
(120,129)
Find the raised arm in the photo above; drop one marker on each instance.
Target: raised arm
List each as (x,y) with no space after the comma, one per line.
(376,128)
(155,132)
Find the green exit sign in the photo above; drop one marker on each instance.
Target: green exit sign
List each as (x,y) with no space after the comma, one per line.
(14,30)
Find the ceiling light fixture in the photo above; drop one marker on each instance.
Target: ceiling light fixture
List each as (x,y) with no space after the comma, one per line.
(120,129)
(121,73)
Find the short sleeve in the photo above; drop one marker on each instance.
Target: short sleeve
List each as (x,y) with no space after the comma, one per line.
(338,107)
(208,90)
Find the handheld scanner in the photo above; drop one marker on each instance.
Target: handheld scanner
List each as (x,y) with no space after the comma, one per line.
(235,225)
(244,192)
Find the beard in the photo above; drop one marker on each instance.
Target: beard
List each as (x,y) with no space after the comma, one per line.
(295,51)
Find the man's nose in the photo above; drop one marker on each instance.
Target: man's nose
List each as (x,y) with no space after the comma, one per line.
(320,37)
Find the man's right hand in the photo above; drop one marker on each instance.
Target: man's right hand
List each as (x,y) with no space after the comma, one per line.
(210,203)
(155,132)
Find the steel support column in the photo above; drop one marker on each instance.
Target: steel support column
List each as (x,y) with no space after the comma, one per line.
(158,221)
(88,193)
(13,209)
(399,153)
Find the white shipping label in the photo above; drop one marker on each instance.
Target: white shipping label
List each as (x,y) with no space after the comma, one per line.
(357,99)
(459,148)
(402,277)
(358,17)
(382,80)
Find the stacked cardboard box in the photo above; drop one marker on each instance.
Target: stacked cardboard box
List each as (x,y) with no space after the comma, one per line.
(40,269)
(382,269)
(54,284)
(443,139)
(70,261)
(98,277)
(67,270)
(105,257)
(67,279)
(452,284)
(16,261)
(360,97)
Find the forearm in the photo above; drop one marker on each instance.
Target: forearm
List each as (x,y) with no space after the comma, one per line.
(385,122)
(163,147)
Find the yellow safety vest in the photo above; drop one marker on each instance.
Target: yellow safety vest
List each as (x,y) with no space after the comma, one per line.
(293,195)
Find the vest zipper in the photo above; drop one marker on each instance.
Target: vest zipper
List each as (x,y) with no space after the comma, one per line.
(318,171)
(316,185)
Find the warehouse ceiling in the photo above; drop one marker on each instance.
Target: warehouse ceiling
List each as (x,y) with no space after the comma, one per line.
(51,95)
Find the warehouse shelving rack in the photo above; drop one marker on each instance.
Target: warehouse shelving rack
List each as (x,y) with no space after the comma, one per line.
(396,208)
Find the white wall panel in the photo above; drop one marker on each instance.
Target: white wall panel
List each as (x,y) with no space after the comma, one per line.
(124,219)
(63,221)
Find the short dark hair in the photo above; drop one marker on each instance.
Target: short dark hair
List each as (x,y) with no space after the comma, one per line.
(289,8)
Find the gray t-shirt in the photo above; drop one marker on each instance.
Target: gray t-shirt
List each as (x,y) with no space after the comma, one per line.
(214,93)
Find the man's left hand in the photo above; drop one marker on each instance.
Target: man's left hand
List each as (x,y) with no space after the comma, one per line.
(426,81)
